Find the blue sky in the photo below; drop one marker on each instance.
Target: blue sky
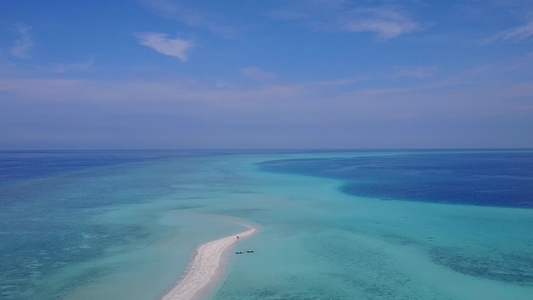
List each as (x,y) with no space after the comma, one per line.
(266,74)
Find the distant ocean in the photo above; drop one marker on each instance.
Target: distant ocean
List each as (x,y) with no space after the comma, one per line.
(454,224)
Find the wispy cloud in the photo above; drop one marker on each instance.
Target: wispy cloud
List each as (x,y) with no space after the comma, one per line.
(335,82)
(414,72)
(161,43)
(385,22)
(187,14)
(258,74)
(466,94)
(24,43)
(517,34)
(79,66)
(197,108)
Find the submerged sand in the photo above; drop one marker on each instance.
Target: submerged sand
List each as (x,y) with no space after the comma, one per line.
(204,269)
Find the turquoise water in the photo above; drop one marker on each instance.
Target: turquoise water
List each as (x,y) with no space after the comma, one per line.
(124,225)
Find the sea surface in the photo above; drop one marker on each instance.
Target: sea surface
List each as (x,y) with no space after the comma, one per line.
(411,224)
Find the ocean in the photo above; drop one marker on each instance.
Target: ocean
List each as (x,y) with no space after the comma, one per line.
(410,224)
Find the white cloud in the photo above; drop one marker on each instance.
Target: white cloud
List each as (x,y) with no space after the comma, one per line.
(186,13)
(161,43)
(386,23)
(23,44)
(335,16)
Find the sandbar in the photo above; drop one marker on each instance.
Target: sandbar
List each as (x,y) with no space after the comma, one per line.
(205,268)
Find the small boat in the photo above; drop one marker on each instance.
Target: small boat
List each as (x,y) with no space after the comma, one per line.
(238,252)
(250,251)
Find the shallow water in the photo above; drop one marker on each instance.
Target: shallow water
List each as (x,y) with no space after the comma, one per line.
(125,229)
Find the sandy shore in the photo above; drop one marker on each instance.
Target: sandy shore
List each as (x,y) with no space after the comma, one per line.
(204,269)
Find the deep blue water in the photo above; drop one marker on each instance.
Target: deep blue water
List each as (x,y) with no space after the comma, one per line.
(487,178)
(22,165)
(19,165)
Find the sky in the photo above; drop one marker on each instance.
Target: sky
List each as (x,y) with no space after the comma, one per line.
(270,74)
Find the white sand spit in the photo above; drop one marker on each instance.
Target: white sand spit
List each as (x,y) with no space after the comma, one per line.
(204,269)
